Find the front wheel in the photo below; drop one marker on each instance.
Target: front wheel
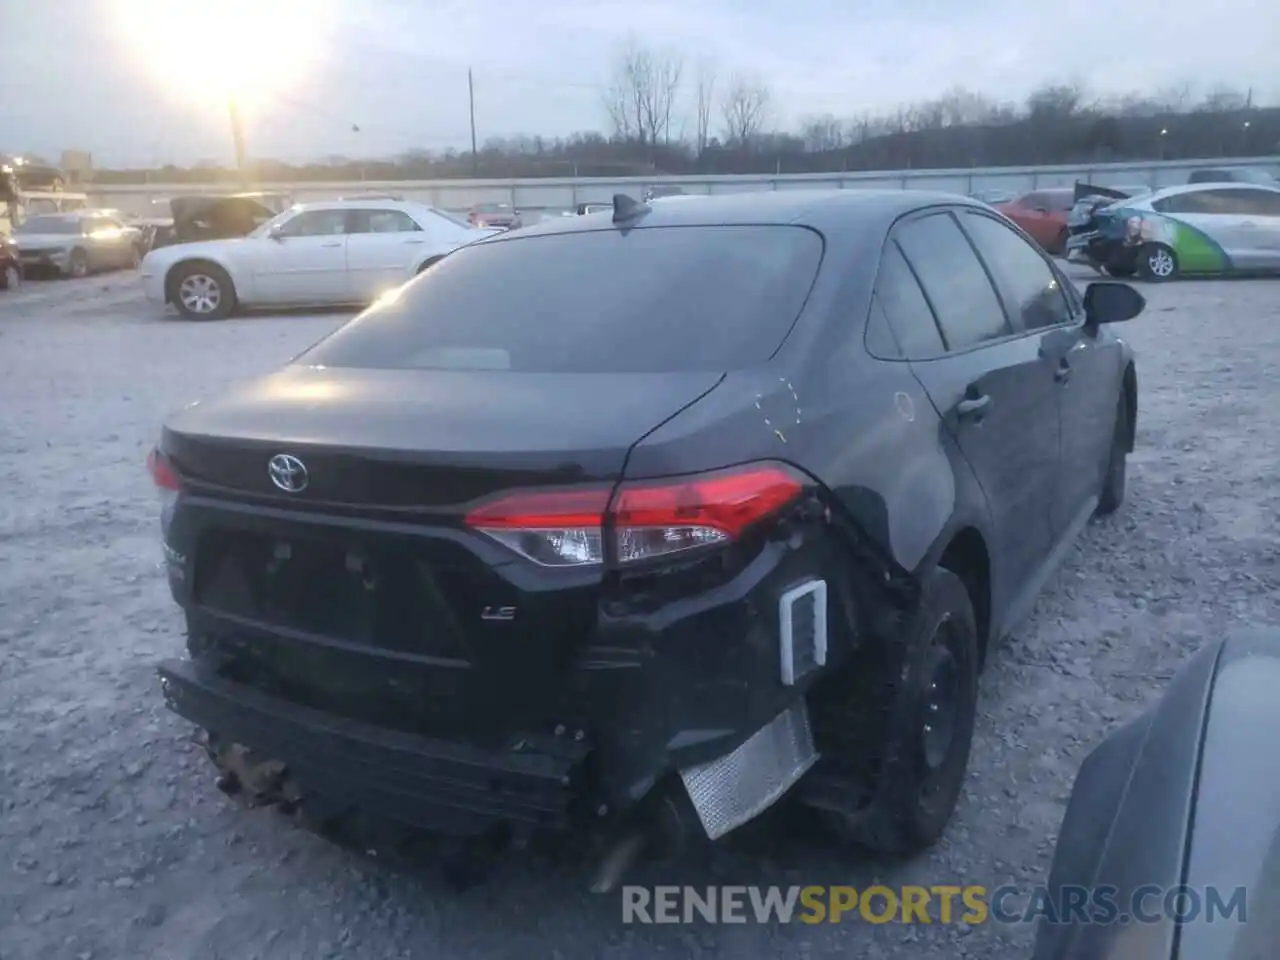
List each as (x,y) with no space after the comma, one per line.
(1114,481)
(203,291)
(930,721)
(1157,263)
(78,264)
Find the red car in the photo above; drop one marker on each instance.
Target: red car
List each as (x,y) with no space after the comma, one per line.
(10,269)
(1043,214)
(500,215)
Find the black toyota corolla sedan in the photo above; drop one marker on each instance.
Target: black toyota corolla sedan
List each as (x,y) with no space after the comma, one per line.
(648,516)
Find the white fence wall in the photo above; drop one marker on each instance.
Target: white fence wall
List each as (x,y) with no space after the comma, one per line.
(546,194)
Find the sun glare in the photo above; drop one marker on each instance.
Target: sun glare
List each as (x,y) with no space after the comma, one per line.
(205,53)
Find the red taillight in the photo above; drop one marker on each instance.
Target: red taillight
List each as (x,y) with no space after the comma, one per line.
(650,518)
(162,472)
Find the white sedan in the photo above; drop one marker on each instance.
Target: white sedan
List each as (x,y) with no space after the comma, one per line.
(331,252)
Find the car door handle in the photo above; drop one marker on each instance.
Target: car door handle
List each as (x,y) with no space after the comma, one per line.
(334,243)
(973,408)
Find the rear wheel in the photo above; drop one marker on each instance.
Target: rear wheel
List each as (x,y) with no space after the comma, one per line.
(12,277)
(1157,263)
(203,291)
(930,723)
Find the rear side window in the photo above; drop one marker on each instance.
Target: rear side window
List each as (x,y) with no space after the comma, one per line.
(954,280)
(653,300)
(1029,286)
(908,312)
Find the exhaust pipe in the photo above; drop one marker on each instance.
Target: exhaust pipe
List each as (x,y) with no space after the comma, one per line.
(664,827)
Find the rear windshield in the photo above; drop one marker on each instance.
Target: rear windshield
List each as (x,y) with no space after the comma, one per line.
(658,299)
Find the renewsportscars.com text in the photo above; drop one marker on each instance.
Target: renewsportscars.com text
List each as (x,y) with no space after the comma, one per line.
(942,903)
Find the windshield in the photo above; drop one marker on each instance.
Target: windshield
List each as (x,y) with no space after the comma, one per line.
(34,225)
(659,299)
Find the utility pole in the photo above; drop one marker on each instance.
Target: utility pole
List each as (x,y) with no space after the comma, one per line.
(471,98)
(237,136)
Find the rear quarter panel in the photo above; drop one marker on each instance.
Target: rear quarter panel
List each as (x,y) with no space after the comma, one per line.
(1197,251)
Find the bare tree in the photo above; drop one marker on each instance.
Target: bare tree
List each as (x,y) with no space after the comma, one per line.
(743,109)
(822,133)
(704,100)
(1055,101)
(642,93)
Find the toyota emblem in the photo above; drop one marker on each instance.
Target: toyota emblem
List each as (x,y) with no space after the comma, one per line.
(288,473)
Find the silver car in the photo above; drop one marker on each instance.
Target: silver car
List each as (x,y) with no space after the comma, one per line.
(76,244)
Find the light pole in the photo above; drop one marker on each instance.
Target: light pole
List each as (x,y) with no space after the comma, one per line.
(237,137)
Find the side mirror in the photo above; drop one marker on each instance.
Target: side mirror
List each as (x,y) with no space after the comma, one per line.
(275,234)
(1108,302)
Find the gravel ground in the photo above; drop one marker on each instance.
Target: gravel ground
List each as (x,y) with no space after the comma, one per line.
(114,842)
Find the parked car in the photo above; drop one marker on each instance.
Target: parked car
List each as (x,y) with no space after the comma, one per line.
(1209,229)
(1089,199)
(1043,214)
(335,252)
(76,244)
(1234,175)
(994,196)
(584,208)
(200,217)
(503,216)
(663,190)
(10,265)
(490,555)
(1172,821)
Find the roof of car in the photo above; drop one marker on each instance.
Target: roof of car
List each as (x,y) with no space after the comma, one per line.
(824,210)
(1209,185)
(361,203)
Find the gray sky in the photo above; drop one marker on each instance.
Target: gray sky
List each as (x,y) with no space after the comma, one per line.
(83,74)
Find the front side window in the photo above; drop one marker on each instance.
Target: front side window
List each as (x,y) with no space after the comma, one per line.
(1029,286)
(650,300)
(963,299)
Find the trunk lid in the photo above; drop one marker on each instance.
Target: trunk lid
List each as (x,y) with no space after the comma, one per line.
(422,439)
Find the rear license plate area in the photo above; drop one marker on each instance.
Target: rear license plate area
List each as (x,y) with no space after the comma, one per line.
(373,595)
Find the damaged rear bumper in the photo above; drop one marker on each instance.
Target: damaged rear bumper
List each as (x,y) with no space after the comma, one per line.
(428,784)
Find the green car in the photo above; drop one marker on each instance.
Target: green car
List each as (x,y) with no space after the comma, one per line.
(1199,229)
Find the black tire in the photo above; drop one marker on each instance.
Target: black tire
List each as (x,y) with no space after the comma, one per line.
(202,291)
(78,264)
(11,277)
(1157,263)
(1113,481)
(922,770)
